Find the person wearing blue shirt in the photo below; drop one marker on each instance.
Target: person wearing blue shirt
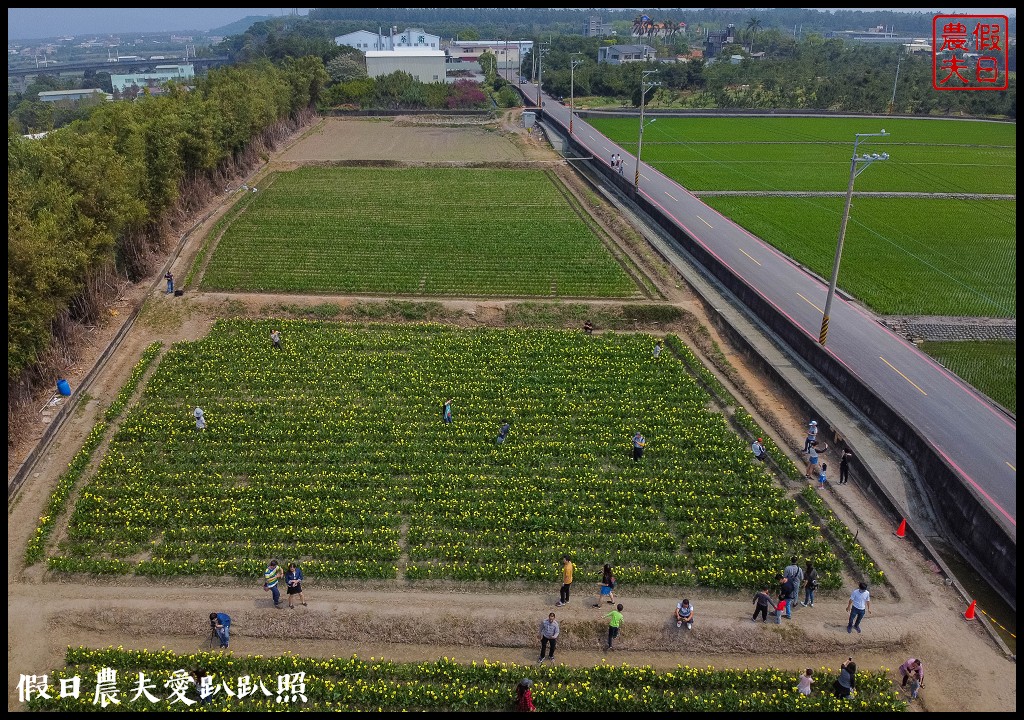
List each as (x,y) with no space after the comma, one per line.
(639,443)
(221,624)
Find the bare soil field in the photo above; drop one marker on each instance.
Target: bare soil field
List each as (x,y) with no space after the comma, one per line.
(917,615)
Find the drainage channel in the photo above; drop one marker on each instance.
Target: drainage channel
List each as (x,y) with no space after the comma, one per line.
(991,608)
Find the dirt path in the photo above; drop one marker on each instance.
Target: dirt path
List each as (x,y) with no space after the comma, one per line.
(918,616)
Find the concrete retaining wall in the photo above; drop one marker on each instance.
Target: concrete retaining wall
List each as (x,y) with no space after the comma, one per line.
(967,523)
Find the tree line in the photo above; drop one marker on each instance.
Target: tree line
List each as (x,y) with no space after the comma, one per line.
(89,204)
(810,74)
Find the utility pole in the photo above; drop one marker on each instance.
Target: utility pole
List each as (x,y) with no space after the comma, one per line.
(644,87)
(892,102)
(540,85)
(572,89)
(865,161)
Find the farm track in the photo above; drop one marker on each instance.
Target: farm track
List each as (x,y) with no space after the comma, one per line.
(45,614)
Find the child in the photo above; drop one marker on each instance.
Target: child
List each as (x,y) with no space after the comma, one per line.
(914,682)
(761,602)
(821,477)
(608,583)
(614,621)
(803,686)
(524,696)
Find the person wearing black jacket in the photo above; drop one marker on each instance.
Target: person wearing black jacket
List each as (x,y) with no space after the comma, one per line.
(787,592)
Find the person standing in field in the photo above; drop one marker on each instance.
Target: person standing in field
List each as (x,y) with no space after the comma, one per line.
(200,418)
(275,337)
(812,459)
(812,435)
(787,594)
(608,583)
(803,685)
(293,584)
(859,604)
(844,466)
(548,635)
(271,577)
(795,573)
(761,602)
(639,443)
(567,569)
(811,584)
(657,350)
(614,623)
(446,411)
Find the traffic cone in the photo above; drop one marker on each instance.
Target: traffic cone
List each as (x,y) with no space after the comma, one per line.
(969,615)
(901,531)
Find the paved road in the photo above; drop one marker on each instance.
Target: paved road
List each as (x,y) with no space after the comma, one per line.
(974,437)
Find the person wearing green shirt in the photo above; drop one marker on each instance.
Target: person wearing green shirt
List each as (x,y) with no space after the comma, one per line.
(271,576)
(614,621)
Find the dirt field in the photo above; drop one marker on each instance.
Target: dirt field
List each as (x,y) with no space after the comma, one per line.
(917,616)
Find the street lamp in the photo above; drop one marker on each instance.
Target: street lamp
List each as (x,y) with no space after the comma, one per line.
(540,84)
(644,87)
(864,161)
(572,90)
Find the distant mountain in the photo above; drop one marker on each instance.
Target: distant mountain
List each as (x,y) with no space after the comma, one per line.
(239,26)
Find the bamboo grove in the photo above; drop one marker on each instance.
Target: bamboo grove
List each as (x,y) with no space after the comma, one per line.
(90,201)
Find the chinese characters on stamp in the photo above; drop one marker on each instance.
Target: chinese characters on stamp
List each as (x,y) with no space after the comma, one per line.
(970,52)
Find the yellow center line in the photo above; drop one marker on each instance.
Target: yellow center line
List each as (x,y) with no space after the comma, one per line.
(810,303)
(705,221)
(1012,467)
(673,199)
(748,255)
(902,375)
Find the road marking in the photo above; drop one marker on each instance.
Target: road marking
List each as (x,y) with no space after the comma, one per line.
(705,221)
(902,375)
(810,303)
(1012,467)
(670,195)
(748,255)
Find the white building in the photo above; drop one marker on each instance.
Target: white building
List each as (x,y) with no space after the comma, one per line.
(427,66)
(158,76)
(509,53)
(389,39)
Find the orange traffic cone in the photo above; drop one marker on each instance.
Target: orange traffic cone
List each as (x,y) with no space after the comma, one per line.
(969,615)
(901,531)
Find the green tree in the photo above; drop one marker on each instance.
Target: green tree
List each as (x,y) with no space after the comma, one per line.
(346,67)
(753,27)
